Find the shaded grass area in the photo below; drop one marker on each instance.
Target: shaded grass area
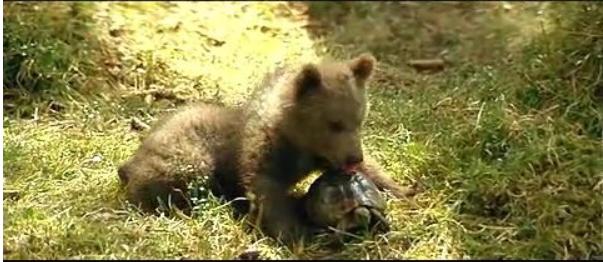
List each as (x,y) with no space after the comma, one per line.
(506,141)
(50,59)
(512,134)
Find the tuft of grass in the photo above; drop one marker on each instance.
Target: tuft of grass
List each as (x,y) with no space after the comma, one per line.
(506,141)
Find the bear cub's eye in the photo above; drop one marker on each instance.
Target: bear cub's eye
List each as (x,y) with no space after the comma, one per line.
(336,126)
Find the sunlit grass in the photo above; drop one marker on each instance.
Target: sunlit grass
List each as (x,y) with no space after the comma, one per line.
(193,43)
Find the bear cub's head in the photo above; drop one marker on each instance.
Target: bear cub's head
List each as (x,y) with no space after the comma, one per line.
(328,109)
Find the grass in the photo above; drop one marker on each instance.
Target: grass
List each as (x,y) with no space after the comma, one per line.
(506,140)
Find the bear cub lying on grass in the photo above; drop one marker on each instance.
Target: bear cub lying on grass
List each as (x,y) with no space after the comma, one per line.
(301,119)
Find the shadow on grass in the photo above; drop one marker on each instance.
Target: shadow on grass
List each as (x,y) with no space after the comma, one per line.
(397,31)
(50,54)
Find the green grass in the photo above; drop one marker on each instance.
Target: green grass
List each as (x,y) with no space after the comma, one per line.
(506,140)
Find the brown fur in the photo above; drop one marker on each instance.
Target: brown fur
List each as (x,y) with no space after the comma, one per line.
(300,120)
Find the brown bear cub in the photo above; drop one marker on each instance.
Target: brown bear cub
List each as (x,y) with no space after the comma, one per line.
(302,119)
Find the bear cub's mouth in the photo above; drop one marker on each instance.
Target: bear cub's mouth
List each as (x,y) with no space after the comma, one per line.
(343,169)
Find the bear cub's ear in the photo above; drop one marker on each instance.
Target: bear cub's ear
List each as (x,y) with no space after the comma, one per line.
(307,81)
(363,66)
